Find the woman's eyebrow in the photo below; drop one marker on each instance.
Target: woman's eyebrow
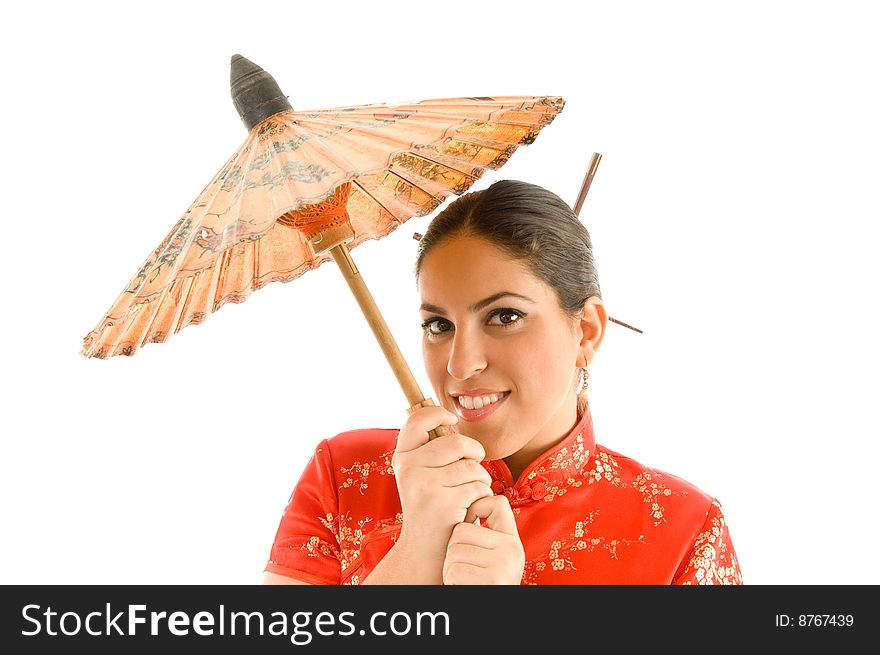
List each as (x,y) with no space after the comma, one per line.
(477,306)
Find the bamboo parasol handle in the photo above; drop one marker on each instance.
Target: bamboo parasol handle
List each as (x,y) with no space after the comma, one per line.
(383,335)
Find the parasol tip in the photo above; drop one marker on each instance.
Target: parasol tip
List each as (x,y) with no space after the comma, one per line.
(255,94)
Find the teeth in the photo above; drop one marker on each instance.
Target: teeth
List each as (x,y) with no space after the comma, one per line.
(478,402)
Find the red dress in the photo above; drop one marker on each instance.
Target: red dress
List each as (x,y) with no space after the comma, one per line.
(585,515)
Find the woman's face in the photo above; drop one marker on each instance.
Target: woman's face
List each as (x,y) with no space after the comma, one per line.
(499,350)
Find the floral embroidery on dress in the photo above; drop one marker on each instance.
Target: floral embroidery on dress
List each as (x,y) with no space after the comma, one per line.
(358,472)
(315,546)
(348,537)
(579,539)
(605,467)
(353,537)
(329,521)
(711,563)
(546,476)
(565,459)
(648,483)
(355,578)
(652,493)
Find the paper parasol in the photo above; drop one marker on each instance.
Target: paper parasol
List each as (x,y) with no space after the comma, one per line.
(305,187)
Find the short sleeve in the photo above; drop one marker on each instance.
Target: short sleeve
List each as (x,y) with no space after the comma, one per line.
(712,559)
(306,545)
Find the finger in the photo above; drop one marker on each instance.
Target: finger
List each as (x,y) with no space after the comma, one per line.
(445,450)
(461,573)
(462,471)
(473,534)
(465,553)
(414,432)
(470,492)
(497,512)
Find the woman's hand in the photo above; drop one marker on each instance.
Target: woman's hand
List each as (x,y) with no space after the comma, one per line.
(485,555)
(437,480)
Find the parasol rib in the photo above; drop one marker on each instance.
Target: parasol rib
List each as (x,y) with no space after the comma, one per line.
(305,188)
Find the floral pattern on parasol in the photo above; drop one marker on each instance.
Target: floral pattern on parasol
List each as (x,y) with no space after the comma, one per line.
(381,164)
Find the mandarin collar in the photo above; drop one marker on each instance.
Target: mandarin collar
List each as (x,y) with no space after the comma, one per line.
(558,467)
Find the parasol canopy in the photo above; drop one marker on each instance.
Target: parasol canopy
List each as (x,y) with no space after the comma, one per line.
(302,182)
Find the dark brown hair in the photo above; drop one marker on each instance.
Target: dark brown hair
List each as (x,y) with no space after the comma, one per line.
(531,224)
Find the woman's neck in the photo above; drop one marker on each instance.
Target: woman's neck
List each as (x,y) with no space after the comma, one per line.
(523,458)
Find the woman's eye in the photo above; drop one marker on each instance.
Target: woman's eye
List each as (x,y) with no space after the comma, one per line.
(434,326)
(505,317)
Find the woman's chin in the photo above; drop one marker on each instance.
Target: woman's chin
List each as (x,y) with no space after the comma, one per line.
(493,446)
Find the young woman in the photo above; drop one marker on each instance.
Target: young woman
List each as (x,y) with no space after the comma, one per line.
(519,492)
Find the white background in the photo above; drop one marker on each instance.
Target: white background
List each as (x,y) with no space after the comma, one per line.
(734,219)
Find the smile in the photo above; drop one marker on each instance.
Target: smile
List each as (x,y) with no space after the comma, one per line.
(474,408)
(478,402)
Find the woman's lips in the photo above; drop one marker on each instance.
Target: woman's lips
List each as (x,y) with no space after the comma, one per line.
(480,413)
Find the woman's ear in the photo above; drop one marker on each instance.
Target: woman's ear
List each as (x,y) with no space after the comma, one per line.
(592,320)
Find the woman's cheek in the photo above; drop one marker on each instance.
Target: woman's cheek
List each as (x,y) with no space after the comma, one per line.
(435,366)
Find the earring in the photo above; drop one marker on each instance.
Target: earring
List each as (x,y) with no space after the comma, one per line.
(585,377)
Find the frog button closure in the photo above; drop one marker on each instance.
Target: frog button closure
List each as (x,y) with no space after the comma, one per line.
(539,490)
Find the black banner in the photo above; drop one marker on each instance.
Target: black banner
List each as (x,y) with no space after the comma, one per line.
(290,619)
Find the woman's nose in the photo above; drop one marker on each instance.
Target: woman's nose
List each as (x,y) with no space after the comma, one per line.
(467,357)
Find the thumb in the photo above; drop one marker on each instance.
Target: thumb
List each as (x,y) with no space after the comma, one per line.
(496,511)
